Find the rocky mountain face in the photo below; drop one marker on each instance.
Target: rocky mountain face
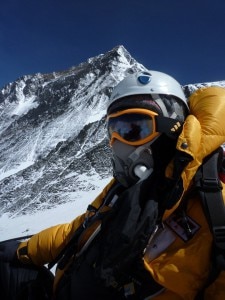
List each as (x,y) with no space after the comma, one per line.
(52,132)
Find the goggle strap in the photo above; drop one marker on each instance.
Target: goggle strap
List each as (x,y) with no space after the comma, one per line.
(171,127)
(161,104)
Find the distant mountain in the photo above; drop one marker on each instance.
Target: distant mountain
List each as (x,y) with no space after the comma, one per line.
(52,132)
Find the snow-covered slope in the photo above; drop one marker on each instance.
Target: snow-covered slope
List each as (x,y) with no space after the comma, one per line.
(52,133)
(28,224)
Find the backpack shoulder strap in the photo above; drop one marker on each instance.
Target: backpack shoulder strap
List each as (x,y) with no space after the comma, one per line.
(210,189)
(209,186)
(94,215)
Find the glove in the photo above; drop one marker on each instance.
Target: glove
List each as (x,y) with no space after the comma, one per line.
(8,251)
(20,281)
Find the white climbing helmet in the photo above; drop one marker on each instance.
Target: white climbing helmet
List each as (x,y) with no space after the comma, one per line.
(151,83)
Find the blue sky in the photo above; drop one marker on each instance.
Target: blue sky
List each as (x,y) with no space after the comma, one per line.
(182,38)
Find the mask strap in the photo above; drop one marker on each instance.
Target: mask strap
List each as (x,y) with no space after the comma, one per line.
(136,153)
(141,170)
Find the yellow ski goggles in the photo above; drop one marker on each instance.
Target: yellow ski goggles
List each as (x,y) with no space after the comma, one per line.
(133,126)
(137,126)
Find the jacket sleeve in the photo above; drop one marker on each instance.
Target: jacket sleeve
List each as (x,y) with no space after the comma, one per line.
(44,246)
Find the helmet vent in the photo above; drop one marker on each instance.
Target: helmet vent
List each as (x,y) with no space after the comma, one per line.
(144,79)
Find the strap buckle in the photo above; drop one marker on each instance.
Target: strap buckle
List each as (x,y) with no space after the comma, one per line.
(210,184)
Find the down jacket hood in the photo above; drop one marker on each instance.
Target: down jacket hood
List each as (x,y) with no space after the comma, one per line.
(203,130)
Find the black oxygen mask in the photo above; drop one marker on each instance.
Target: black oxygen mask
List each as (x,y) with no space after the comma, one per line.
(131,164)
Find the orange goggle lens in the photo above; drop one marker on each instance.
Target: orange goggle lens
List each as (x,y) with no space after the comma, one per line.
(134,126)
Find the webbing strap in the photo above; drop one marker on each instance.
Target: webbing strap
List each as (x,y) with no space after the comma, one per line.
(66,253)
(210,188)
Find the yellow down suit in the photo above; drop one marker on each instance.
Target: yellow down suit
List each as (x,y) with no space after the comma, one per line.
(180,267)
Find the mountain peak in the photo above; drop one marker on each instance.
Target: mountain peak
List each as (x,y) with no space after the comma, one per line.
(120,49)
(53,132)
